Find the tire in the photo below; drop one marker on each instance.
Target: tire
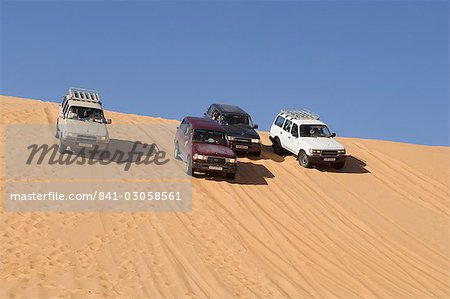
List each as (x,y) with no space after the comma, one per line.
(303,159)
(231,176)
(338,165)
(277,148)
(189,166)
(62,148)
(176,152)
(57,129)
(256,154)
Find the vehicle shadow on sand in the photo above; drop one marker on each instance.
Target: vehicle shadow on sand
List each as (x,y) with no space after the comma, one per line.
(352,165)
(247,174)
(267,153)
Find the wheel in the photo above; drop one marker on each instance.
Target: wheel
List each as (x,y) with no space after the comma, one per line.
(338,165)
(57,129)
(231,176)
(256,154)
(176,152)
(189,166)
(277,148)
(62,148)
(303,159)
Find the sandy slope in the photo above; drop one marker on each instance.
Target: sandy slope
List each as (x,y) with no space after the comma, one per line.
(379,228)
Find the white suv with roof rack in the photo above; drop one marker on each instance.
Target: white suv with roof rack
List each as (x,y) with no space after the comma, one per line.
(300,132)
(81,123)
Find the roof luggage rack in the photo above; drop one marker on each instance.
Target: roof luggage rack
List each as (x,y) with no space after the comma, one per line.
(300,113)
(86,95)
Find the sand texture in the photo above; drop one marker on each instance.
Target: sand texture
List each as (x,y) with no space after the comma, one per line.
(377,229)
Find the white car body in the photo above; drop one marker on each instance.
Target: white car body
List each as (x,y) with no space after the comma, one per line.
(74,133)
(319,150)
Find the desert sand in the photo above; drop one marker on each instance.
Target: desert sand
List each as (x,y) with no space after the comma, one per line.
(377,229)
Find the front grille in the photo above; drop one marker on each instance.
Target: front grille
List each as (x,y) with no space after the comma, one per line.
(216,160)
(329,153)
(243,140)
(86,138)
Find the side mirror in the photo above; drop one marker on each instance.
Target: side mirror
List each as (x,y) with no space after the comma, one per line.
(333,135)
(255,127)
(61,115)
(108,121)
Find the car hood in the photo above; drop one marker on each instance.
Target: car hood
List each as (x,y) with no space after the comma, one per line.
(240,131)
(323,143)
(85,128)
(213,150)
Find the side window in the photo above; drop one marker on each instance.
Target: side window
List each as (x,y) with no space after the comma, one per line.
(279,121)
(64,105)
(304,131)
(187,131)
(215,114)
(287,125)
(183,125)
(294,131)
(66,109)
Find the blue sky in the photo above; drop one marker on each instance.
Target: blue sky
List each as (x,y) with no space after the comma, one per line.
(371,69)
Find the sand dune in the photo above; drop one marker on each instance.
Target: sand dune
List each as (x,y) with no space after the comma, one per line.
(377,229)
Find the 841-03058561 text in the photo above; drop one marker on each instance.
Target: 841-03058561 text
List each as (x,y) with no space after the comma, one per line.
(99,195)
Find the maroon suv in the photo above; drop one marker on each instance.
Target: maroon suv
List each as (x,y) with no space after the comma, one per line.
(202,143)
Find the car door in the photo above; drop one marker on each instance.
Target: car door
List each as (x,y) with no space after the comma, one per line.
(184,143)
(277,126)
(294,139)
(62,119)
(286,140)
(179,139)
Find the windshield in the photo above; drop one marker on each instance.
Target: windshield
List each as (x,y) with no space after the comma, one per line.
(236,119)
(86,114)
(210,136)
(314,131)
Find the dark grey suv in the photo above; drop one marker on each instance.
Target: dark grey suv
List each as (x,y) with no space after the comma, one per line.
(238,126)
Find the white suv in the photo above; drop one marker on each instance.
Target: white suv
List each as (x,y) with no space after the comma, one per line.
(300,132)
(81,123)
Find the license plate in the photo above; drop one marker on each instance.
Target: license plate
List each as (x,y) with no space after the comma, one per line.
(329,159)
(215,168)
(85,144)
(242,146)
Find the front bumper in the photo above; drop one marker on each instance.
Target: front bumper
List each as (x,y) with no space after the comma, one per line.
(76,145)
(245,147)
(206,167)
(319,159)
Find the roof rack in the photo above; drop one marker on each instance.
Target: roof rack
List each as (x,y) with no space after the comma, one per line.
(86,95)
(300,113)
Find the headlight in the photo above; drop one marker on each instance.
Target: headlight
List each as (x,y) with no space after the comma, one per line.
(74,135)
(341,152)
(199,157)
(102,138)
(315,151)
(231,161)
(231,138)
(256,140)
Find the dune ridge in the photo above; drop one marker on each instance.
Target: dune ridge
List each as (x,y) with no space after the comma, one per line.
(377,229)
